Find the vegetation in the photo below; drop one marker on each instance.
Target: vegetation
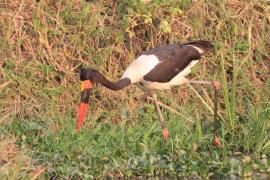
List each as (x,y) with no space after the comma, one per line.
(42,43)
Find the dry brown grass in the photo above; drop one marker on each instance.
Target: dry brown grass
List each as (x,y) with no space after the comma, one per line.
(15,160)
(43,43)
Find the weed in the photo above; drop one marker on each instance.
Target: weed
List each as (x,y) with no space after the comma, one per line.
(42,43)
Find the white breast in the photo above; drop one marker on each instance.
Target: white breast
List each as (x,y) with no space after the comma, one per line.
(140,67)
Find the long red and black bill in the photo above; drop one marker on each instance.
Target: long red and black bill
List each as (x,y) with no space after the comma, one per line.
(86,87)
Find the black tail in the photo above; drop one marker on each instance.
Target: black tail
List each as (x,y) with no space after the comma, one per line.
(202,44)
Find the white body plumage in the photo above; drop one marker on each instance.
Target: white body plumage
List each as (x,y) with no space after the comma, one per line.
(145,63)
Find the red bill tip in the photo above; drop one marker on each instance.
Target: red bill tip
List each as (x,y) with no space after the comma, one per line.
(81,114)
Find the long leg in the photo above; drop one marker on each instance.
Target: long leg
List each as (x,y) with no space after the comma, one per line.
(165,132)
(216,86)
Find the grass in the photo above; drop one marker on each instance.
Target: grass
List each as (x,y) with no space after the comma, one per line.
(43,43)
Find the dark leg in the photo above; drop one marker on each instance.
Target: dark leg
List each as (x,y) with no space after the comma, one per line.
(165,132)
(216,86)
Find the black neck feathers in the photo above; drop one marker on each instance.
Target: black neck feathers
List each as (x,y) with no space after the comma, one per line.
(96,77)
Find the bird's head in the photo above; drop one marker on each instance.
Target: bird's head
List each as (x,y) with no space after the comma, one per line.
(87,77)
(88,74)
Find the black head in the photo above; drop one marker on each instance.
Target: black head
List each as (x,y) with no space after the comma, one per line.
(87,74)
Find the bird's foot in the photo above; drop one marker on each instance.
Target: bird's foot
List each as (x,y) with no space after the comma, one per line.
(216,142)
(165,134)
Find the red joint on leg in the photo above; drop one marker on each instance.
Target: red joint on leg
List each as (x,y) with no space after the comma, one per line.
(165,133)
(216,85)
(216,142)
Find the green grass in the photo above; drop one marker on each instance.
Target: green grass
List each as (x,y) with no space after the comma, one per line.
(43,43)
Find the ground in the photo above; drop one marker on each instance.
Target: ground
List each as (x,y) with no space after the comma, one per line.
(42,44)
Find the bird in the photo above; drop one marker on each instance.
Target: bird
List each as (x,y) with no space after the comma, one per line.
(157,69)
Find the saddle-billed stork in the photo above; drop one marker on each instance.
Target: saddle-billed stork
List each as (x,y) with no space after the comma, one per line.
(157,69)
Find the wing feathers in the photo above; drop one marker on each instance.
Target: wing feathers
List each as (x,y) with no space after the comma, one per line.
(203,45)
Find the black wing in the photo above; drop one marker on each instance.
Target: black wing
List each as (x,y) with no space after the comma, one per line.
(173,61)
(174,58)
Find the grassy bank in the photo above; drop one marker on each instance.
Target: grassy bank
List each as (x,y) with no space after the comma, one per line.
(42,44)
